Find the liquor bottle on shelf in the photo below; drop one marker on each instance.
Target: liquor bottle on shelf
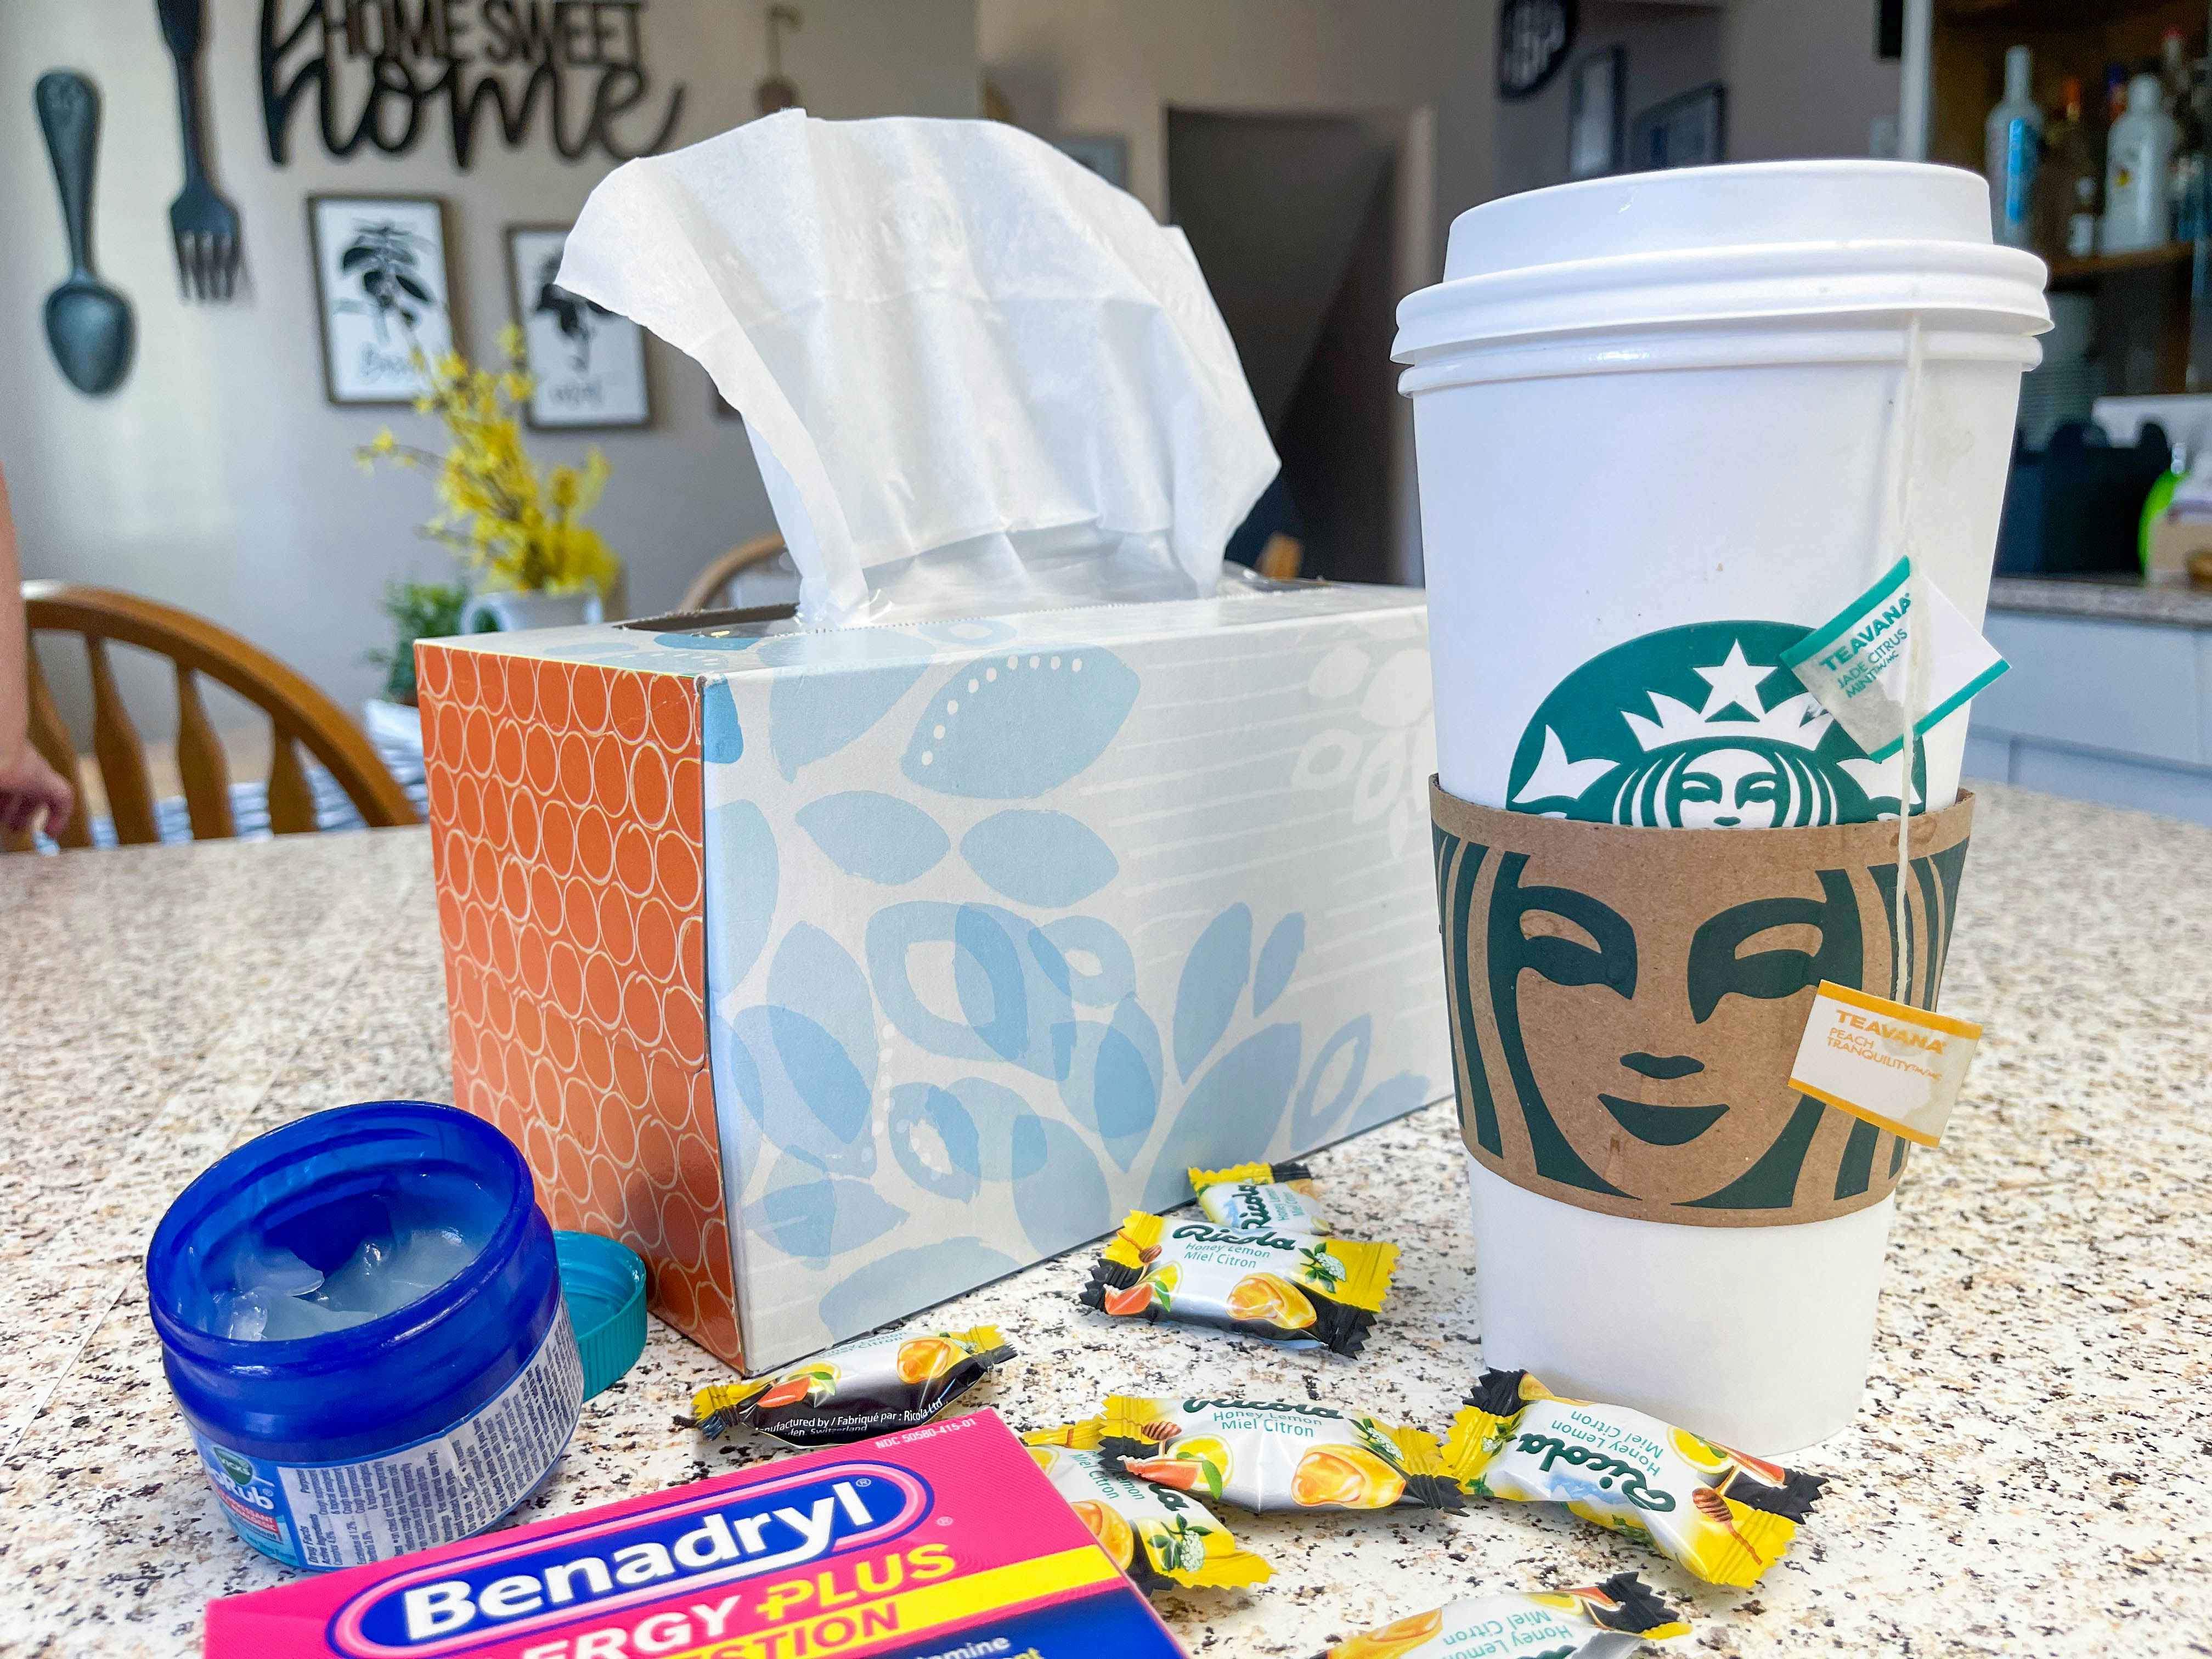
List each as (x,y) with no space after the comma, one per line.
(2011,146)
(2186,188)
(2138,167)
(2069,182)
(2174,76)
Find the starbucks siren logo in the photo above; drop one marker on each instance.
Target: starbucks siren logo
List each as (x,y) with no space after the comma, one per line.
(1699,727)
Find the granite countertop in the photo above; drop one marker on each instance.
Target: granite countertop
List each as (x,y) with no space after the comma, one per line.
(2168,599)
(2026,1477)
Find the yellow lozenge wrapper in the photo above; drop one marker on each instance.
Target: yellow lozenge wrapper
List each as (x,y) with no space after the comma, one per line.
(1263,1455)
(1270,1197)
(869,1386)
(1604,1621)
(1158,1536)
(1291,1288)
(1721,1515)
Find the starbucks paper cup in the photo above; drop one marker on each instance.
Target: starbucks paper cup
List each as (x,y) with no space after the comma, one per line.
(1658,425)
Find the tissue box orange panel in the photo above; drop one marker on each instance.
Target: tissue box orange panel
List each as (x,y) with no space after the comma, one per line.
(565,807)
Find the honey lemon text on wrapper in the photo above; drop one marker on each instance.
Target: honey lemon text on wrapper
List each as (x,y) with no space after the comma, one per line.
(1262,1456)
(1261,1197)
(1289,1288)
(1604,1621)
(1160,1536)
(1721,1515)
(876,1384)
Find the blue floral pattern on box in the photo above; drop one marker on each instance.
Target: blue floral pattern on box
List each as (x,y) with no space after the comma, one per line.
(1010,922)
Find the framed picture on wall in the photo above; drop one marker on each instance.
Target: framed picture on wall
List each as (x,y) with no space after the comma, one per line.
(1689,130)
(383,291)
(587,363)
(1594,98)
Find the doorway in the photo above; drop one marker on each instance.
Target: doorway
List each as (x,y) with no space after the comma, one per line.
(1308,227)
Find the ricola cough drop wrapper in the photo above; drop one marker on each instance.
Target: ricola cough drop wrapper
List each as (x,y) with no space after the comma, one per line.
(1160,1536)
(1604,1621)
(1721,1515)
(1270,1197)
(895,1380)
(1264,1456)
(1289,1288)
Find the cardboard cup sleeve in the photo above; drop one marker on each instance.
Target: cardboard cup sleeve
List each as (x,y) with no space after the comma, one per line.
(1625,1003)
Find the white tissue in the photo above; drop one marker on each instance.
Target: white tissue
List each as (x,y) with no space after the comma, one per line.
(976,377)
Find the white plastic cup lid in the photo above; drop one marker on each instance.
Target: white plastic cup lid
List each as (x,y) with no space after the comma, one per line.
(1753,241)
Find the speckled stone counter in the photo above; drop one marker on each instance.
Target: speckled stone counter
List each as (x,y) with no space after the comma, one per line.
(2027,1477)
(2168,600)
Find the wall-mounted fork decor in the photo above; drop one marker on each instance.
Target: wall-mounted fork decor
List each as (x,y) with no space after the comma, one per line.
(204,226)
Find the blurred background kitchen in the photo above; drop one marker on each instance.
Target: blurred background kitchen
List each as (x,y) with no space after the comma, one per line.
(276,195)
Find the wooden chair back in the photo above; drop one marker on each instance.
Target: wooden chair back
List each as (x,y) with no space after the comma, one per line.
(299,714)
(707,588)
(1281,558)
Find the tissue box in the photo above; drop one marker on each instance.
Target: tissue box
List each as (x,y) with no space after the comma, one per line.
(839,972)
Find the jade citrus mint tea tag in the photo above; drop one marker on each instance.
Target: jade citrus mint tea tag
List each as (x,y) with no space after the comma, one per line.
(1858,664)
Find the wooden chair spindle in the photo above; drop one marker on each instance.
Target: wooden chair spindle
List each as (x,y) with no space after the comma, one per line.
(122,756)
(291,799)
(201,764)
(52,739)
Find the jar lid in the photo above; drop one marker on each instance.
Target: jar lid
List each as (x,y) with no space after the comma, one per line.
(1742,243)
(604,1284)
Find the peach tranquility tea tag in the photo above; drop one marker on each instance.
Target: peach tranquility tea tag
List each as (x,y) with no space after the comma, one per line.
(1858,664)
(1899,1068)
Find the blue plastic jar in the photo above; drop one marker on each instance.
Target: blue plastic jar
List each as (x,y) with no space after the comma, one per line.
(416,1428)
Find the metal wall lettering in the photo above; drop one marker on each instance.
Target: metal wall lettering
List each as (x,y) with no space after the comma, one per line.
(377,72)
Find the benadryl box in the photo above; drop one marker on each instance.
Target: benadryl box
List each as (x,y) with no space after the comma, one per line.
(838,972)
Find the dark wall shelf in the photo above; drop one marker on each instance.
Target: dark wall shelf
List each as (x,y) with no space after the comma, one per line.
(2084,273)
(2046,14)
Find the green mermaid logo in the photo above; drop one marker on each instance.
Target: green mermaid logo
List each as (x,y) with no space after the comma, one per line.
(1699,727)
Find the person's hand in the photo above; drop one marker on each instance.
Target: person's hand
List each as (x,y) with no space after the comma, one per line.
(28,786)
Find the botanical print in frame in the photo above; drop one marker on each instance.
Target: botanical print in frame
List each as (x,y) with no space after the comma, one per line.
(1689,130)
(587,363)
(383,291)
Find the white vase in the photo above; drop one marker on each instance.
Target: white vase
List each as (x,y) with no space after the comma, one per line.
(396,727)
(512,612)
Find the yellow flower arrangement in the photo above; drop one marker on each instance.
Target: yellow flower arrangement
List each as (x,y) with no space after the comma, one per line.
(516,526)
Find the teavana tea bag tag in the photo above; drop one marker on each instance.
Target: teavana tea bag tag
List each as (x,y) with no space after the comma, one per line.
(1888,666)
(1856,662)
(1897,1067)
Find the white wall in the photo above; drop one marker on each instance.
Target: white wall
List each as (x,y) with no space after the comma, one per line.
(1075,67)
(1802,78)
(1670,49)
(217,478)
(1801,75)
(1084,66)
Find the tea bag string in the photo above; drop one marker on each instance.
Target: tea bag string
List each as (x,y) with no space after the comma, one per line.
(1916,670)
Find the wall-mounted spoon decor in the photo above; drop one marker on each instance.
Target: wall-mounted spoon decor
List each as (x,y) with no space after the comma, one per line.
(204,226)
(87,323)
